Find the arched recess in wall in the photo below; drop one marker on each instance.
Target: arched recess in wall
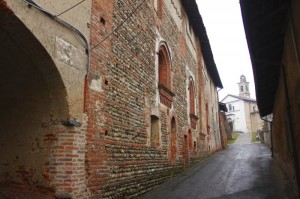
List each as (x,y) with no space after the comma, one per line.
(207,118)
(185,151)
(192,97)
(33,103)
(173,142)
(155,131)
(190,139)
(164,75)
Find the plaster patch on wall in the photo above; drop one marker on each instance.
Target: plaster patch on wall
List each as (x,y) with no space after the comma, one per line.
(96,84)
(69,54)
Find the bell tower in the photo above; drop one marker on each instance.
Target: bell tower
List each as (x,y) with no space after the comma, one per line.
(244,87)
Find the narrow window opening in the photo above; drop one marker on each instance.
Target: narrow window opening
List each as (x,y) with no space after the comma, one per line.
(173,144)
(102,20)
(154,131)
(190,140)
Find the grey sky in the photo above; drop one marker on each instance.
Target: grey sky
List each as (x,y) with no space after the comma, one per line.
(225,30)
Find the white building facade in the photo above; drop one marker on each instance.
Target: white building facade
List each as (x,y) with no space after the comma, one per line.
(241,110)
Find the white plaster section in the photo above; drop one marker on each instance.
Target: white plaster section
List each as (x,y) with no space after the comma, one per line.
(69,54)
(155,5)
(190,39)
(174,7)
(96,84)
(189,35)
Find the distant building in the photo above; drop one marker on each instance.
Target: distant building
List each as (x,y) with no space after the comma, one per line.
(243,114)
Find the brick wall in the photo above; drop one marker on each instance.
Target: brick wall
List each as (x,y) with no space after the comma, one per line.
(120,159)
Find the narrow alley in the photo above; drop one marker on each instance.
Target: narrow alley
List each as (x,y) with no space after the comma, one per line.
(242,171)
(123,99)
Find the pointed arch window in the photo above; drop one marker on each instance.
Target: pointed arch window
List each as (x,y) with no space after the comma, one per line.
(193,117)
(164,84)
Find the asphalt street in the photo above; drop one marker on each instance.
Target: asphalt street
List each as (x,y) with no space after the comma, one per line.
(243,171)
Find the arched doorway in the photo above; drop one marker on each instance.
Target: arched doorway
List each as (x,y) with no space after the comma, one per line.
(185,151)
(173,136)
(33,108)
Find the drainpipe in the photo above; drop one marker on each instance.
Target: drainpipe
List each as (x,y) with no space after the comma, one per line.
(271,139)
(222,144)
(293,138)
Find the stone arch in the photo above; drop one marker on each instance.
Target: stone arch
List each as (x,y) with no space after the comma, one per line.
(34,108)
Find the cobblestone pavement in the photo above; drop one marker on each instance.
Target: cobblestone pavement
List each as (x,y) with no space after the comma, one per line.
(243,171)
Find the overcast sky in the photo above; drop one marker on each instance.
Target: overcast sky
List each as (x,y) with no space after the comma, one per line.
(225,30)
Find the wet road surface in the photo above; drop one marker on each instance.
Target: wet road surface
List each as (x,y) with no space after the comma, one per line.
(243,171)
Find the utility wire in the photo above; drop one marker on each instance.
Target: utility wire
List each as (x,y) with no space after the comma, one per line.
(70,8)
(119,26)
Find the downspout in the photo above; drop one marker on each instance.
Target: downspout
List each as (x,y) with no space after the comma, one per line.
(290,120)
(222,144)
(271,139)
(80,36)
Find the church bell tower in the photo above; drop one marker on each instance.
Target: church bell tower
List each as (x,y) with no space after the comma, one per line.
(244,87)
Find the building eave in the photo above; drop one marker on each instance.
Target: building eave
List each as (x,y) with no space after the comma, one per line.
(195,19)
(265,24)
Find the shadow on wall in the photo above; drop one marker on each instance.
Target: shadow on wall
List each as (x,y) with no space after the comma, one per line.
(33,99)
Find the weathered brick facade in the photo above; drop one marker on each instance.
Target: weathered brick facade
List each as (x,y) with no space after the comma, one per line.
(121,160)
(144,109)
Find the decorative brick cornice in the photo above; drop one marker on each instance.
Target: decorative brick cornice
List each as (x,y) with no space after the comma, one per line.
(202,136)
(194,120)
(166,95)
